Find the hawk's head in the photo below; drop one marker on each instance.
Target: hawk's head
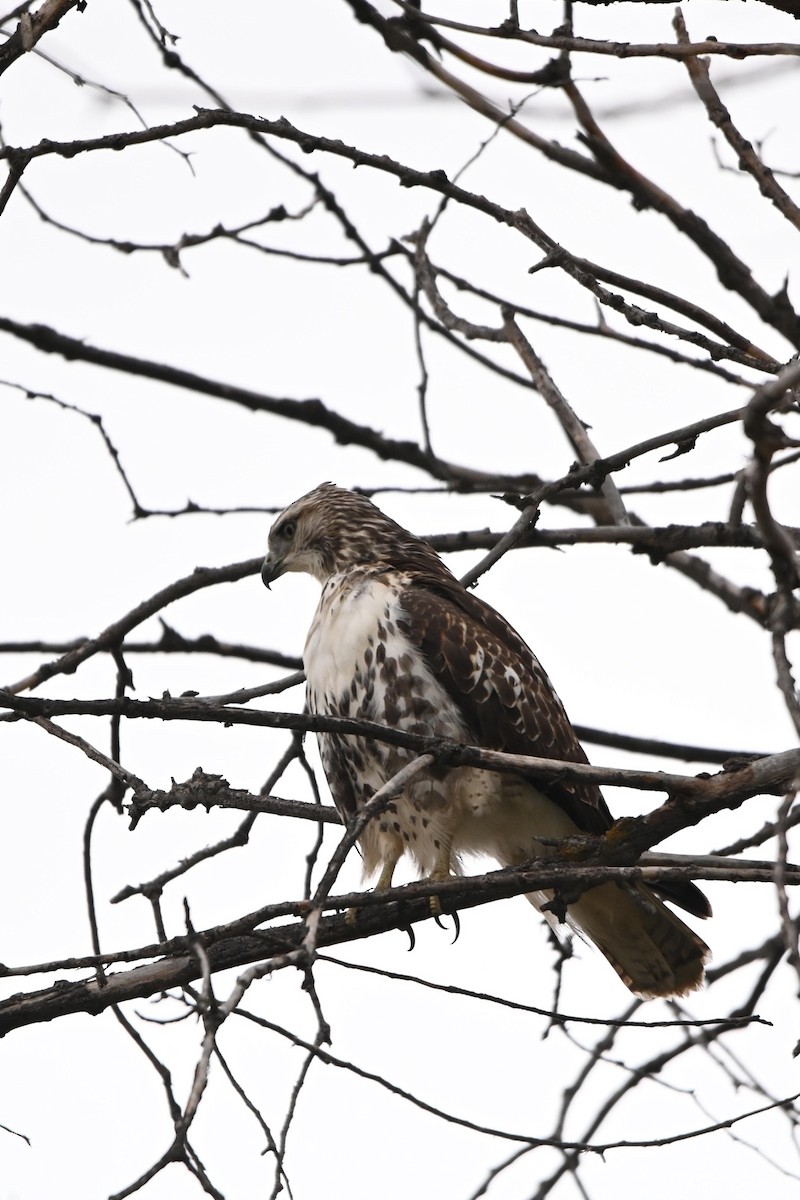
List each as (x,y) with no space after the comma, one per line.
(331,528)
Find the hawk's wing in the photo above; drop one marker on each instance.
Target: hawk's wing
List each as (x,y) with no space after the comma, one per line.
(500,687)
(508,702)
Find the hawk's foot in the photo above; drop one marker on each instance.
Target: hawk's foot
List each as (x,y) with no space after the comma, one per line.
(435,904)
(456,925)
(439,873)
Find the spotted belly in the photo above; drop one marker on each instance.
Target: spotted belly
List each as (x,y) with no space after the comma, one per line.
(360,664)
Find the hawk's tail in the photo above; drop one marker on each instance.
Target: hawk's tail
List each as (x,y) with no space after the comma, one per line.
(649,947)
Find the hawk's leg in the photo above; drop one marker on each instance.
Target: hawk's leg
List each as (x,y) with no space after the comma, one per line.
(387,871)
(442,869)
(392,853)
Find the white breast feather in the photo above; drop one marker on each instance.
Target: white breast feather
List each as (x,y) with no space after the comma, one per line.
(344,626)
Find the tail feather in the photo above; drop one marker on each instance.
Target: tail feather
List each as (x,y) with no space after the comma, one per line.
(685,894)
(650,948)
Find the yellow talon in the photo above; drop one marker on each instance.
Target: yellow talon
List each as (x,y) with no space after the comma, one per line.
(440,872)
(435,905)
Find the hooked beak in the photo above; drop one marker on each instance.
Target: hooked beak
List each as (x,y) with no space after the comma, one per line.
(272,568)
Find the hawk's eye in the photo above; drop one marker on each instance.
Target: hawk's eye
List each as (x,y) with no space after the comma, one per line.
(287,530)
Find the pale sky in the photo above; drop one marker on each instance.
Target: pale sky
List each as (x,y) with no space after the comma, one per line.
(629,647)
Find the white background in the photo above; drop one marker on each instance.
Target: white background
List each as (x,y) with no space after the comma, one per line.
(630,647)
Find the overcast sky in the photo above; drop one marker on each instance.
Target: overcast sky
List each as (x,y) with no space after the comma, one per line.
(629,647)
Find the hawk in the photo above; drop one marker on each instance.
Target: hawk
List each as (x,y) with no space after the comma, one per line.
(397,639)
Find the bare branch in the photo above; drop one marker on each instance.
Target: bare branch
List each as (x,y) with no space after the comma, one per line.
(718,114)
(33,26)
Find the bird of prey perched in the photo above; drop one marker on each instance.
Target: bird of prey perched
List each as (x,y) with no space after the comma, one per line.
(397,639)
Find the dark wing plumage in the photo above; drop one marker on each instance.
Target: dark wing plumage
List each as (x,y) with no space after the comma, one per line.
(470,648)
(477,658)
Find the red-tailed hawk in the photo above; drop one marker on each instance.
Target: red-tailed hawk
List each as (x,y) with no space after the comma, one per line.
(397,639)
